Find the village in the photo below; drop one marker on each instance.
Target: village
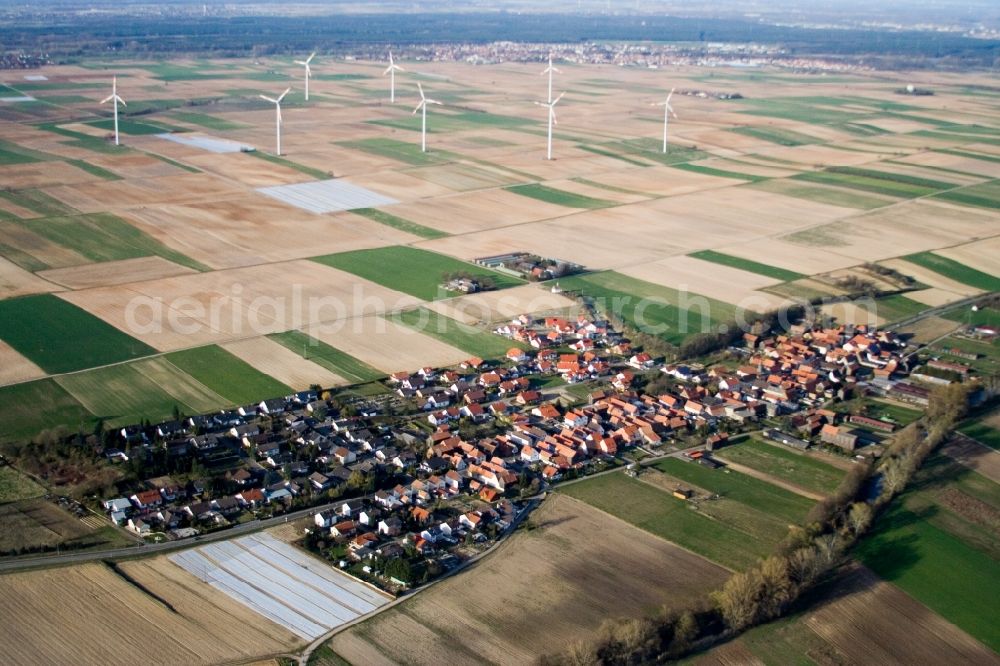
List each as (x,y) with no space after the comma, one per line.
(410,483)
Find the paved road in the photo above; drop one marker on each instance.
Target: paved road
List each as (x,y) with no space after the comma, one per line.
(34,561)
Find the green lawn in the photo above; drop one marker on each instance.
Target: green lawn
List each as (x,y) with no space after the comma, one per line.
(558,197)
(60,337)
(747,490)
(207,121)
(778,135)
(747,265)
(227,375)
(954,270)
(404,151)
(329,357)
(121,395)
(795,468)
(15,486)
(476,341)
(31,407)
(959,582)
(397,222)
(651,307)
(410,270)
(105,237)
(659,513)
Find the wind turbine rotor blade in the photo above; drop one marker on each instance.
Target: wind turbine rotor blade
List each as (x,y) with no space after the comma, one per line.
(282,96)
(387,70)
(418,107)
(300,62)
(119,99)
(311,56)
(398,68)
(108,98)
(421,89)
(434,101)
(556,100)
(269,99)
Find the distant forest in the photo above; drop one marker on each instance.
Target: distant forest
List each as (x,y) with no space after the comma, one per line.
(102,35)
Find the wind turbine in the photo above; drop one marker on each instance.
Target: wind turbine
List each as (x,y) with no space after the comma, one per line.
(391,71)
(305,63)
(551,106)
(548,70)
(115,99)
(277,118)
(422,106)
(667,112)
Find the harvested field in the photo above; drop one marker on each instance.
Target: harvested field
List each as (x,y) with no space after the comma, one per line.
(108,273)
(931,278)
(250,169)
(501,305)
(386,345)
(15,281)
(982,255)
(403,185)
(90,615)
(730,285)
(464,213)
(956,160)
(660,180)
(975,456)
(554,581)
(283,364)
(16,368)
(334,360)
(44,174)
(929,329)
(180,189)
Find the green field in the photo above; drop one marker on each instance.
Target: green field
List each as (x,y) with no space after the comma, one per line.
(983,316)
(833,196)
(877,182)
(968,153)
(721,173)
(15,486)
(558,197)
(476,341)
(121,395)
(410,270)
(661,514)
(38,201)
(12,153)
(318,174)
(983,195)
(330,358)
(898,307)
(397,222)
(227,375)
(31,407)
(60,337)
(438,122)
(778,135)
(105,237)
(982,433)
(94,170)
(940,549)
(651,307)
(408,153)
(207,121)
(795,468)
(747,265)
(954,270)
(134,127)
(754,493)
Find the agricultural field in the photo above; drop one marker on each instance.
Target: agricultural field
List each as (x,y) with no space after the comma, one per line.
(955,270)
(652,307)
(16,486)
(231,377)
(474,340)
(101,614)
(31,407)
(38,523)
(748,265)
(984,430)
(940,544)
(793,467)
(656,511)
(410,270)
(332,359)
(554,579)
(59,337)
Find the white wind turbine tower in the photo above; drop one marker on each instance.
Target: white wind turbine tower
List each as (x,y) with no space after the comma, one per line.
(549,70)
(115,99)
(422,106)
(667,112)
(277,118)
(391,71)
(551,106)
(305,63)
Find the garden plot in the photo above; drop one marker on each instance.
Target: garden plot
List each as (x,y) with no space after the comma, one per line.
(284,585)
(209,143)
(327,196)
(109,273)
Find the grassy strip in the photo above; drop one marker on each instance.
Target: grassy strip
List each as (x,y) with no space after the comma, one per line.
(189,169)
(982,195)
(964,153)
(309,171)
(747,265)
(475,341)
(322,354)
(60,337)
(916,181)
(952,269)
(721,173)
(410,270)
(94,170)
(397,222)
(559,197)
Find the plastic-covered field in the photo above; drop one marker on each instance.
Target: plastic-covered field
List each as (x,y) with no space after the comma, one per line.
(209,143)
(327,196)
